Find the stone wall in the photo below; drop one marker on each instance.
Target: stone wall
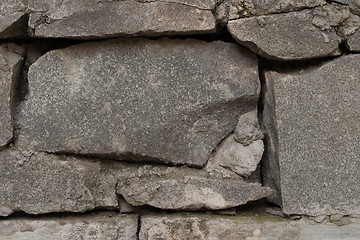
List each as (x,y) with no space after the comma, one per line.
(179,119)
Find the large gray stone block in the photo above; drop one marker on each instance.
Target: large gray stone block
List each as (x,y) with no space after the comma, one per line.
(314,148)
(75,18)
(39,183)
(100,226)
(10,67)
(165,100)
(288,36)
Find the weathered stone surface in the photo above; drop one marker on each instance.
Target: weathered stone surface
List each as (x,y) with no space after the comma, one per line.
(90,226)
(351,232)
(248,129)
(12,18)
(167,100)
(289,36)
(196,226)
(235,157)
(41,183)
(10,66)
(354,41)
(74,19)
(234,9)
(316,137)
(184,188)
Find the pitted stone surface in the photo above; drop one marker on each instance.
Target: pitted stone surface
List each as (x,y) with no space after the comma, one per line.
(354,41)
(75,19)
(183,188)
(39,183)
(234,9)
(231,156)
(168,100)
(100,226)
(201,226)
(10,66)
(288,36)
(316,141)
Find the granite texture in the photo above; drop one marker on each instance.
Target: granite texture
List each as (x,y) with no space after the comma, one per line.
(169,101)
(316,137)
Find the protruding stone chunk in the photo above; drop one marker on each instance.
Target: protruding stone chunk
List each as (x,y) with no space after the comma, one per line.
(185,189)
(233,157)
(248,129)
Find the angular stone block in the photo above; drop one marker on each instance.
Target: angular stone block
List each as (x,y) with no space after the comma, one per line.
(41,183)
(288,36)
(314,148)
(100,226)
(165,100)
(75,19)
(184,188)
(10,67)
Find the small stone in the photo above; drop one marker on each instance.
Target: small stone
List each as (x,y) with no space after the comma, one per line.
(235,157)
(248,129)
(336,217)
(319,218)
(125,207)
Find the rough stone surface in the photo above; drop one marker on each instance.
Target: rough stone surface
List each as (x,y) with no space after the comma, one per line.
(316,137)
(288,36)
(184,188)
(87,227)
(354,41)
(234,9)
(248,129)
(351,232)
(41,183)
(235,157)
(74,19)
(10,66)
(167,100)
(12,18)
(193,226)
